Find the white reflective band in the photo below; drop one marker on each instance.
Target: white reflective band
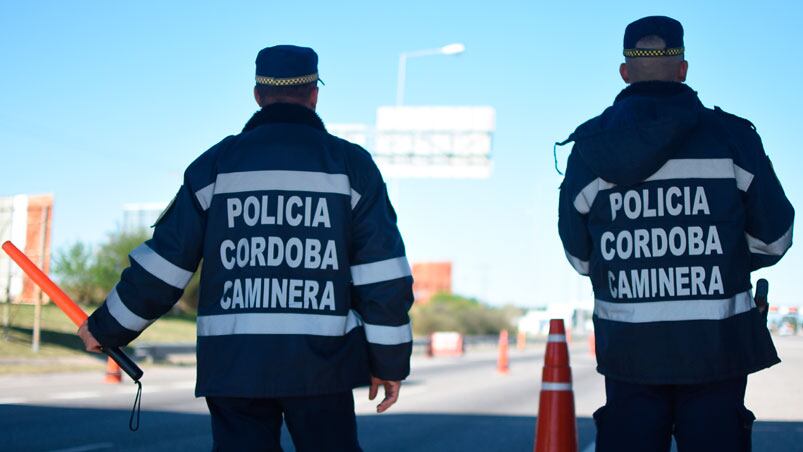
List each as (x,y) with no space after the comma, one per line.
(283,180)
(556,338)
(123,315)
(355,198)
(160,267)
(380,271)
(743,178)
(703,169)
(204,195)
(580,265)
(277,323)
(548,386)
(585,199)
(672,311)
(388,335)
(776,248)
(674,169)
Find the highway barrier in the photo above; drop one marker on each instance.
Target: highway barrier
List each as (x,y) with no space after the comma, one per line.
(556,427)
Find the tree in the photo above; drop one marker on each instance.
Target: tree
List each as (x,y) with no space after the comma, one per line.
(74,269)
(447,312)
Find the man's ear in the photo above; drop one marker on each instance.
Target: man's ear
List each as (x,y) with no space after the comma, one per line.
(313,98)
(257,98)
(683,69)
(623,72)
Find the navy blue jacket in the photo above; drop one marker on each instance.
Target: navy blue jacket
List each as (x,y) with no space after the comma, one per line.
(304,287)
(668,206)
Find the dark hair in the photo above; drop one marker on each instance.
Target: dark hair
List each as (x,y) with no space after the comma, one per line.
(292,92)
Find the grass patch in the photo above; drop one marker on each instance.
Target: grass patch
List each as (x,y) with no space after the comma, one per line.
(58,333)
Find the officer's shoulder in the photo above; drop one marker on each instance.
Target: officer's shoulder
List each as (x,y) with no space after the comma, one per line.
(204,164)
(732,121)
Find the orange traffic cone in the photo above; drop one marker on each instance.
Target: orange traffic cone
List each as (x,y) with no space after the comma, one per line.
(113,374)
(592,344)
(502,364)
(556,429)
(521,341)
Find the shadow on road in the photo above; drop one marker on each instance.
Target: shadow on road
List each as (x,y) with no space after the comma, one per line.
(49,428)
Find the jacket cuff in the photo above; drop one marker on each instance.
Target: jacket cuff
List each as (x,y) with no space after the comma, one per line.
(390,362)
(107,330)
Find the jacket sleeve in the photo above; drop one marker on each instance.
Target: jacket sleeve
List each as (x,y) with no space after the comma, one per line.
(159,271)
(573,208)
(769,221)
(382,285)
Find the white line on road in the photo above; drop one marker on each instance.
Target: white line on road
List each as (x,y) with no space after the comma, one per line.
(87,447)
(12,401)
(76,395)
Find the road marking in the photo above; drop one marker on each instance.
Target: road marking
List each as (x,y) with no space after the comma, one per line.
(12,401)
(591,447)
(85,448)
(76,395)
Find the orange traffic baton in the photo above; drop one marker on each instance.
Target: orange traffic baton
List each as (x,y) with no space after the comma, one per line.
(556,429)
(78,316)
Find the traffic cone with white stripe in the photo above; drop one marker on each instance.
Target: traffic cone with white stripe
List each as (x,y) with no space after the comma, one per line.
(556,429)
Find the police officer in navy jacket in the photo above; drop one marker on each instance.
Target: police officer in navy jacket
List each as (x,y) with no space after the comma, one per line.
(668,206)
(305,286)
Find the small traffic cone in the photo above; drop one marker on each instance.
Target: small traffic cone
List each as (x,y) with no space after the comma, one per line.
(556,429)
(521,341)
(502,364)
(113,374)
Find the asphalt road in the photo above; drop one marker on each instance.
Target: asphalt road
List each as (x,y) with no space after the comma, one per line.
(448,404)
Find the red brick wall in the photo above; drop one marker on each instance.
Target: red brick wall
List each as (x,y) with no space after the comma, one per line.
(431,278)
(40,209)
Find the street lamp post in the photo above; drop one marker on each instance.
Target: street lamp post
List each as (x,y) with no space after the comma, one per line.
(449,49)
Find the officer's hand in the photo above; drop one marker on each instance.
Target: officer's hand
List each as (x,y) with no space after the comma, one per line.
(90,343)
(391,393)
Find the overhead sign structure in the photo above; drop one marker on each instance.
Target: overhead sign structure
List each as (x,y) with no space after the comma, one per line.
(428,141)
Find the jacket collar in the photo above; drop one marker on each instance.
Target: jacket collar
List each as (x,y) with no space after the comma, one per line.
(284,113)
(654,89)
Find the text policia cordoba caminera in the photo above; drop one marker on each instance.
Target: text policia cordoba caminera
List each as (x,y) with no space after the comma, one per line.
(690,240)
(272,251)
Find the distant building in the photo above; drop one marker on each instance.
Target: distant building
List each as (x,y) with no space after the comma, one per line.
(430,278)
(141,216)
(26,221)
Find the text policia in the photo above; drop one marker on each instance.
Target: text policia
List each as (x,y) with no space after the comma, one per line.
(656,242)
(271,251)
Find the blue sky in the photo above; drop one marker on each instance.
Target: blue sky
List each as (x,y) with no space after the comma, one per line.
(105,103)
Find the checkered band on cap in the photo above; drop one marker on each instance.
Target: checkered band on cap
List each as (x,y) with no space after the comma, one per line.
(289,81)
(638,53)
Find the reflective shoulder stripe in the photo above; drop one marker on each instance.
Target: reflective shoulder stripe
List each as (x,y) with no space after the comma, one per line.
(580,265)
(676,310)
(355,198)
(388,335)
(549,386)
(585,199)
(204,196)
(160,267)
(743,177)
(276,323)
(123,315)
(310,181)
(380,271)
(703,169)
(776,248)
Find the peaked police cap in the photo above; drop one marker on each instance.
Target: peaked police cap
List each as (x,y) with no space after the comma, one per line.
(668,29)
(286,65)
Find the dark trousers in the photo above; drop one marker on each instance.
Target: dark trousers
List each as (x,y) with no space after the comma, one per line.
(704,417)
(317,423)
